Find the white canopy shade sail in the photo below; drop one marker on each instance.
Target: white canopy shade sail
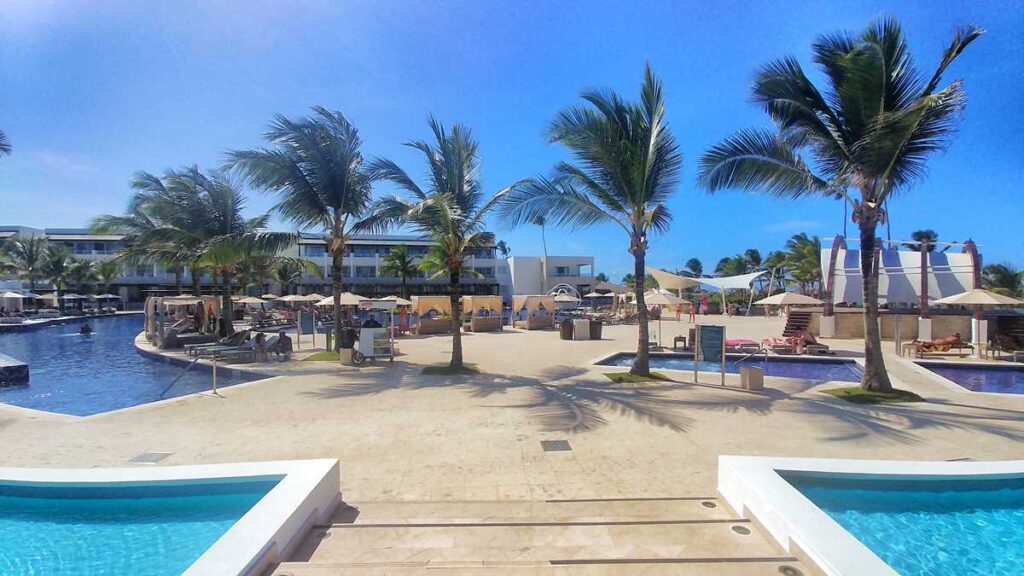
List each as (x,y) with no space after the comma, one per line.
(182,300)
(673,281)
(13,295)
(108,297)
(73,297)
(315,296)
(789,299)
(270,296)
(979,297)
(741,282)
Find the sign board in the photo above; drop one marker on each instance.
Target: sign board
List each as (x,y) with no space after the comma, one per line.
(709,345)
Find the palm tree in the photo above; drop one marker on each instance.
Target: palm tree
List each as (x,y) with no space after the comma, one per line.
(601,277)
(56,266)
(5,145)
(923,238)
(803,260)
(540,221)
(1004,279)
(400,264)
(694,268)
(79,274)
(627,167)
(502,248)
(288,274)
(106,272)
(776,261)
(317,171)
(27,255)
(733,266)
(450,209)
(870,132)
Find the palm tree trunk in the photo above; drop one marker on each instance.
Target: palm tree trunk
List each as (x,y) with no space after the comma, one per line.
(196,288)
(405,289)
(177,277)
(875,378)
(641,365)
(455,293)
(337,258)
(226,311)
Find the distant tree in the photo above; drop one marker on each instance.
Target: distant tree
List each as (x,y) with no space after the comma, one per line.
(1004,279)
(601,277)
(503,248)
(400,264)
(629,280)
(733,266)
(5,145)
(695,268)
(106,272)
(919,237)
(27,255)
(56,266)
(753,256)
(80,274)
(287,274)
(803,261)
(776,261)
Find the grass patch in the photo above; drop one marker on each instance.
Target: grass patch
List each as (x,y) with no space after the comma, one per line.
(627,378)
(445,370)
(855,395)
(325,356)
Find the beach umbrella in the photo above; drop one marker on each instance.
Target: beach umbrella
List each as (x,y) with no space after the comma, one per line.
(29,295)
(315,297)
(789,299)
(566,298)
(662,299)
(398,300)
(107,297)
(250,300)
(979,297)
(270,297)
(73,297)
(13,295)
(347,299)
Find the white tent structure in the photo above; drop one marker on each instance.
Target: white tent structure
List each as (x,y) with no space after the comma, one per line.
(789,299)
(676,282)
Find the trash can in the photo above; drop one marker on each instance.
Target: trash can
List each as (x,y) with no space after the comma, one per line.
(348,338)
(581,329)
(329,333)
(595,329)
(565,329)
(751,378)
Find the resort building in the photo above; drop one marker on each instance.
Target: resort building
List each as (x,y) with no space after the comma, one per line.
(361,270)
(542,274)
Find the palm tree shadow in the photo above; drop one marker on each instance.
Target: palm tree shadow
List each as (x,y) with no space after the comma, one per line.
(555,400)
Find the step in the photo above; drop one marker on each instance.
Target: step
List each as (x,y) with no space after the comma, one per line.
(677,541)
(711,567)
(468,512)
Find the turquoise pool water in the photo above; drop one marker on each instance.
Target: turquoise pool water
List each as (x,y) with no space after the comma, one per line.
(140,530)
(929,527)
(815,370)
(981,378)
(83,375)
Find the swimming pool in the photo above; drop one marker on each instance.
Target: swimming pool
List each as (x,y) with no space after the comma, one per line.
(816,370)
(981,378)
(934,527)
(83,375)
(144,530)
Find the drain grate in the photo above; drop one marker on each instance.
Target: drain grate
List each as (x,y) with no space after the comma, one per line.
(150,457)
(741,530)
(555,445)
(709,504)
(789,571)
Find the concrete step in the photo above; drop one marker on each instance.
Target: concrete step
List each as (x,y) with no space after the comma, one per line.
(562,511)
(714,567)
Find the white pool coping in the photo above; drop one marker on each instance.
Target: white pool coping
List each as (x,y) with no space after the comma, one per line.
(753,487)
(307,494)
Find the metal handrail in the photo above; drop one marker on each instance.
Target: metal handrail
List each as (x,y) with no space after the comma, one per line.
(762,350)
(175,381)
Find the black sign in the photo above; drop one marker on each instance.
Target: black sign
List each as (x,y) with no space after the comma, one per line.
(711,343)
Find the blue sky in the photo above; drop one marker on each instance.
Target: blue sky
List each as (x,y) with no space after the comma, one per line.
(93,91)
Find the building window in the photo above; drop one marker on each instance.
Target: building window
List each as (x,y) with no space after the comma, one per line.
(366,271)
(562,271)
(314,251)
(485,271)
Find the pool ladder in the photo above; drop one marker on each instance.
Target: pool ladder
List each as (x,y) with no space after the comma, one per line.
(763,351)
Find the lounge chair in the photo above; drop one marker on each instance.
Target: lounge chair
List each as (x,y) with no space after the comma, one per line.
(248,352)
(742,345)
(779,345)
(943,345)
(231,341)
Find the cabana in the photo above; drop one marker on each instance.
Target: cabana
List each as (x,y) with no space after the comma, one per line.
(434,314)
(484,313)
(539,311)
(164,331)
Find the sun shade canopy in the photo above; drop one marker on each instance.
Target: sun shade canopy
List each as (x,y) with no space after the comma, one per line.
(788,299)
(979,297)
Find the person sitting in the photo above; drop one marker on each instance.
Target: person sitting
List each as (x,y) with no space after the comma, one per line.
(371,322)
(260,347)
(283,347)
(85,329)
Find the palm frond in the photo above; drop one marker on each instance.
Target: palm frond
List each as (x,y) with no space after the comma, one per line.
(757,160)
